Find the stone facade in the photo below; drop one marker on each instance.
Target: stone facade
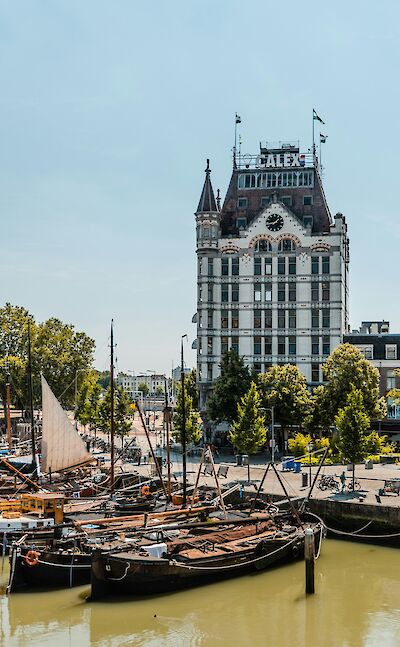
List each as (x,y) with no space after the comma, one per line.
(272,271)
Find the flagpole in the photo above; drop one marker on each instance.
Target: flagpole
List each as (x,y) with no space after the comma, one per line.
(320,162)
(234,147)
(313,138)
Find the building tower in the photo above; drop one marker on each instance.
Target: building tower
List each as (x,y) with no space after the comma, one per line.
(272,267)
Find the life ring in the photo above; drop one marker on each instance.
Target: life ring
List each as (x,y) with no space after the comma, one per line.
(145,491)
(32,557)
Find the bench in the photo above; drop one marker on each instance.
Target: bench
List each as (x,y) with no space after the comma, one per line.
(223,471)
(208,470)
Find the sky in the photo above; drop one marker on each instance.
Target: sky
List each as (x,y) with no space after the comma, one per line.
(108,111)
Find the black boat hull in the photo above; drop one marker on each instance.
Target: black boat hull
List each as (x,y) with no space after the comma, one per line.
(52,570)
(119,575)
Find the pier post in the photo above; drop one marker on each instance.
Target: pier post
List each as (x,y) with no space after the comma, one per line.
(309,559)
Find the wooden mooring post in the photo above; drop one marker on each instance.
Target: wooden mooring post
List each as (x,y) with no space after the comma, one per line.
(309,555)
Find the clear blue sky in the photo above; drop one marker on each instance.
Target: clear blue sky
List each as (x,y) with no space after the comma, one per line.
(108,112)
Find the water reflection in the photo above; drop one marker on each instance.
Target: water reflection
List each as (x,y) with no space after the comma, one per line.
(356,605)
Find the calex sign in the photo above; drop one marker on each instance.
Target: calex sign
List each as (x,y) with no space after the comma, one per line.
(281,160)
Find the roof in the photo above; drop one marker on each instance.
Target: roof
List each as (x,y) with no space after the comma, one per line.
(207,200)
(44,495)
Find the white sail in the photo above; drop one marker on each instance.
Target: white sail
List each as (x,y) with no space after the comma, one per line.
(62,446)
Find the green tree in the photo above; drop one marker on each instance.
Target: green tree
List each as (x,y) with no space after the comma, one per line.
(122,412)
(191,387)
(193,420)
(87,403)
(232,384)
(14,330)
(346,368)
(285,389)
(142,386)
(104,379)
(15,368)
(352,423)
(159,390)
(248,431)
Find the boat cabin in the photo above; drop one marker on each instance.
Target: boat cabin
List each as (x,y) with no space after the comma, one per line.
(44,504)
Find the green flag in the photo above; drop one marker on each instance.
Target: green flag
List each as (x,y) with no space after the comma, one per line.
(315,116)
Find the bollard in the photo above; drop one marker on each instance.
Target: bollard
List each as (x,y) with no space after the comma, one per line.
(309,558)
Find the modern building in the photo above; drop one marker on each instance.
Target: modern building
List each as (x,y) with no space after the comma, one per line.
(272,266)
(131,384)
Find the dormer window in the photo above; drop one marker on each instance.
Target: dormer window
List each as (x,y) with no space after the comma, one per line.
(242,203)
(263,246)
(307,200)
(287,200)
(241,223)
(265,202)
(286,245)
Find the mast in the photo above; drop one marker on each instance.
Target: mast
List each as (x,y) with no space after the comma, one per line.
(167,423)
(30,389)
(183,432)
(8,404)
(112,405)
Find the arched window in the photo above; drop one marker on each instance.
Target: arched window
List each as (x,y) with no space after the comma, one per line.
(286,245)
(263,246)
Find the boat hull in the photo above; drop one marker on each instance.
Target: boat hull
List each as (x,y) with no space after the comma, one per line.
(53,570)
(136,576)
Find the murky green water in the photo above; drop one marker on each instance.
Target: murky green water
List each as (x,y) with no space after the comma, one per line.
(357,603)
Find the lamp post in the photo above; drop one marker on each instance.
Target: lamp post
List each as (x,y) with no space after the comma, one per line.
(309,449)
(183,430)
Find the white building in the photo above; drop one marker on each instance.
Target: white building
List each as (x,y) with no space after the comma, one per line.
(272,267)
(131,384)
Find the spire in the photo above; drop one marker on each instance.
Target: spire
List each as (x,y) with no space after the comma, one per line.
(207,199)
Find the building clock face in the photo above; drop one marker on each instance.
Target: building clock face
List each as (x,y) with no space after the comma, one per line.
(274,222)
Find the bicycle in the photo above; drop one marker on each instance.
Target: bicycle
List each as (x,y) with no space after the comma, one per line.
(328,482)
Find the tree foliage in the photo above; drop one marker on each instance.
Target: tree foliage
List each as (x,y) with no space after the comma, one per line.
(232,384)
(285,389)
(191,387)
(352,423)
(193,420)
(88,400)
(142,386)
(344,369)
(248,432)
(122,412)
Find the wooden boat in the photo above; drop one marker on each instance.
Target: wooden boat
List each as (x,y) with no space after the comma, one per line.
(198,559)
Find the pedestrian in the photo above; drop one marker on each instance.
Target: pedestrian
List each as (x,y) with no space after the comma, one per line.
(139,456)
(343,480)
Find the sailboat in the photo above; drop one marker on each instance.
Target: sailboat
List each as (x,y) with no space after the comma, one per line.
(62,446)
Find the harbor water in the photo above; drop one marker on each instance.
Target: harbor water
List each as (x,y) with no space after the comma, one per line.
(356,604)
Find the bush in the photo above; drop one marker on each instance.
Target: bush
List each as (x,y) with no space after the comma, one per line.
(315,460)
(298,444)
(376,444)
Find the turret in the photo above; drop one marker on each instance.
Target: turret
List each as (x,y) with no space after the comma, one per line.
(207,215)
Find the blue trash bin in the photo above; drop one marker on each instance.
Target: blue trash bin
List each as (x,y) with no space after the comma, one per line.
(297,467)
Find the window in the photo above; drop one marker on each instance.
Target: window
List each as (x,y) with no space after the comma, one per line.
(292,291)
(241,223)
(281,291)
(281,318)
(210,319)
(391,351)
(291,179)
(224,345)
(292,345)
(314,372)
(314,264)
(281,346)
(257,346)
(292,265)
(257,319)
(210,267)
(292,319)
(307,200)
(326,318)
(224,320)
(257,266)
(242,203)
(235,344)
(308,221)
(235,318)
(268,319)
(281,265)
(235,266)
(265,201)
(268,346)
(200,293)
(268,292)
(368,352)
(326,292)
(314,291)
(286,245)
(390,380)
(209,345)
(314,345)
(257,368)
(206,232)
(326,345)
(314,318)
(225,266)
(235,293)
(210,292)
(224,292)
(209,372)
(325,265)
(263,246)
(268,266)
(287,200)
(257,292)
